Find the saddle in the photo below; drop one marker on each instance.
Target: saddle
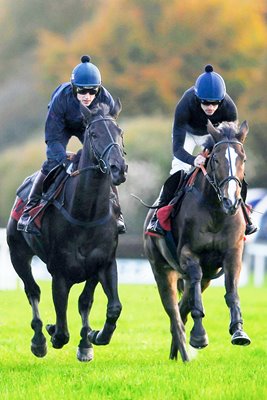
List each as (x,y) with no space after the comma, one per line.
(167,213)
(52,188)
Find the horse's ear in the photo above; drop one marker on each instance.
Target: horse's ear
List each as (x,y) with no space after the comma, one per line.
(243,132)
(86,113)
(216,134)
(116,109)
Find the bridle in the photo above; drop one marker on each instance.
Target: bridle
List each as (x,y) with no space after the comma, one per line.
(102,163)
(218,186)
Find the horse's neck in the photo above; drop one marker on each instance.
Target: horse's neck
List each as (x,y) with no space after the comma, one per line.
(90,196)
(88,193)
(208,194)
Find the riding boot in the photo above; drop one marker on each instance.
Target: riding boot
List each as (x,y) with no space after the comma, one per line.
(250,227)
(117,208)
(24,223)
(166,195)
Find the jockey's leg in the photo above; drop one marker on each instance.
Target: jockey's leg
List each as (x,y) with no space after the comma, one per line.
(250,227)
(120,220)
(25,224)
(166,195)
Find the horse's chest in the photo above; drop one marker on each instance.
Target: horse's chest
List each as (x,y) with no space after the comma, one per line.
(81,258)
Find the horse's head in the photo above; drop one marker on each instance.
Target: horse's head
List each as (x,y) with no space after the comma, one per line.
(226,165)
(106,140)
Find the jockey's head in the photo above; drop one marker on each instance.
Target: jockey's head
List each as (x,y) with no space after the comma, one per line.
(85,80)
(210,87)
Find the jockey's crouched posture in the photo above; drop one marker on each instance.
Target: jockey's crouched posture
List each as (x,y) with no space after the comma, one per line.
(64,120)
(206,100)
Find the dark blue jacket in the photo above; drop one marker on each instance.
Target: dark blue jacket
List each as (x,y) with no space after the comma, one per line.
(64,119)
(189,117)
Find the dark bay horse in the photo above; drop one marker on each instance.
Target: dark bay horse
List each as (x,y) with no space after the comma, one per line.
(78,241)
(209,235)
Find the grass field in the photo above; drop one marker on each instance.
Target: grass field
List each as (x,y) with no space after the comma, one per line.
(135,364)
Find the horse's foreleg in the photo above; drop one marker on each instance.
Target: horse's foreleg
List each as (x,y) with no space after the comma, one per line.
(184,303)
(22,264)
(85,349)
(239,337)
(109,280)
(59,332)
(198,336)
(38,342)
(167,287)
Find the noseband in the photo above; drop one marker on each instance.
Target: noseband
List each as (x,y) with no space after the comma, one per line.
(218,186)
(102,158)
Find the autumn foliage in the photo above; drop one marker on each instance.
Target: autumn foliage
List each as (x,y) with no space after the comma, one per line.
(150,51)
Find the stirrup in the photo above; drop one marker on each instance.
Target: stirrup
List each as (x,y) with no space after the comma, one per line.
(154,227)
(25,225)
(250,228)
(121,224)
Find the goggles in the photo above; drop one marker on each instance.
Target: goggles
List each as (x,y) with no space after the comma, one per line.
(208,102)
(84,90)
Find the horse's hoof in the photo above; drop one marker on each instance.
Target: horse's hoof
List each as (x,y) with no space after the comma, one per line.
(240,338)
(39,350)
(50,329)
(85,354)
(199,342)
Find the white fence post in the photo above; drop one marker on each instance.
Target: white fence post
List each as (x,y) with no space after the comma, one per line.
(8,276)
(258,251)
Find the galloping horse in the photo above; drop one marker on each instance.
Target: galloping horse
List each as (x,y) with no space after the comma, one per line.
(208,233)
(78,240)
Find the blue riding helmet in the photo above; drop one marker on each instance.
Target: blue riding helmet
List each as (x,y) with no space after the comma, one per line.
(86,74)
(210,86)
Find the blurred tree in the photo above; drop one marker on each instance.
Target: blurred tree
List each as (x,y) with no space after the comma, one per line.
(20,21)
(158,48)
(149,52)
(22,105)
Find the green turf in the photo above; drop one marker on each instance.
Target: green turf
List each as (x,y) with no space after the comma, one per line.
(135,364)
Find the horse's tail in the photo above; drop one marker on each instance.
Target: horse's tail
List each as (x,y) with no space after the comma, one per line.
(180,286)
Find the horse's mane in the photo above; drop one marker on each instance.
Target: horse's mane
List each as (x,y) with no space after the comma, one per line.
(228,131)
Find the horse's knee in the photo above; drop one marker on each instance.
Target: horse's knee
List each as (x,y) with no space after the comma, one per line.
(113,313)
(33,293)
(231,299)
(194,272)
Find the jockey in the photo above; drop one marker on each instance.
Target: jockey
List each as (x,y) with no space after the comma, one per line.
(64,120)
(207,99)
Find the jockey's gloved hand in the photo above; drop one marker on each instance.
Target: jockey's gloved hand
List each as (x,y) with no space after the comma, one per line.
(67,164)
(199,160)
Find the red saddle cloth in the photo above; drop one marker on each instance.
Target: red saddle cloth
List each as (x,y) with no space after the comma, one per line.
(164,216)
(19,208)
